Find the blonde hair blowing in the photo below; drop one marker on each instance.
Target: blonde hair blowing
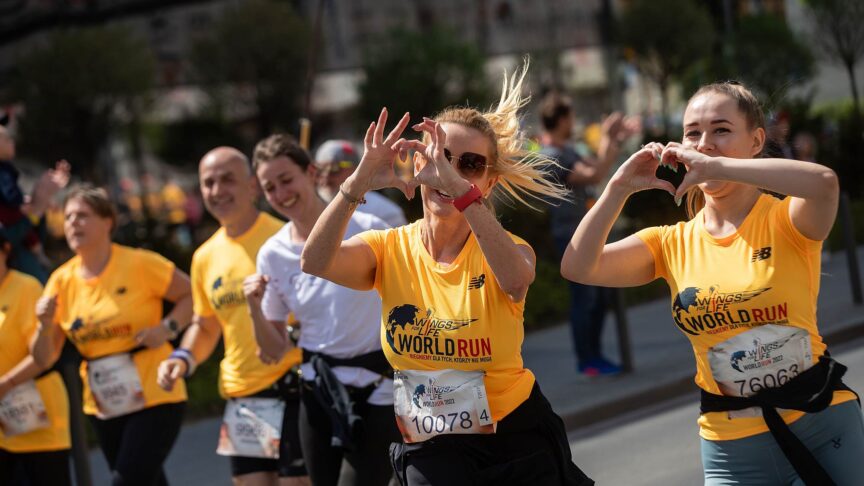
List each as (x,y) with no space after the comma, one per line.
(521,172)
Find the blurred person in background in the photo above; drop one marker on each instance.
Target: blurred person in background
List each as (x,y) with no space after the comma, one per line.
(34,408)
(22,214)
(588,303)
(335,160)
(107,301)
(346,412)
(259,431)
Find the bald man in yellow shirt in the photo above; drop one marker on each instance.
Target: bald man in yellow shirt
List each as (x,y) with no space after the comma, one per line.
(259,431)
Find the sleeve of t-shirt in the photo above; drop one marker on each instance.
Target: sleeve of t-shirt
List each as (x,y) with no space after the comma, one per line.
(376,239)
(780,219)
(200,303)
(273,306)
(155,271)
(653,239)
(54,287)
(28,316)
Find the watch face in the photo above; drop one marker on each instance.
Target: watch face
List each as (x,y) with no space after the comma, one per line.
(172,325)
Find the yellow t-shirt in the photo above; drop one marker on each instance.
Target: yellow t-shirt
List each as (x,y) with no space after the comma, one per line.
(454,316)
(102,315)
(218,269)
(18,295)
(765,274)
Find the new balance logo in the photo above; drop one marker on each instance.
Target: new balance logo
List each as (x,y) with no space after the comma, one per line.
(761,254)
(477,282)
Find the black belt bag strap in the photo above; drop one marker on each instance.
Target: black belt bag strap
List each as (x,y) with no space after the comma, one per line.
(812,391)
(343,403)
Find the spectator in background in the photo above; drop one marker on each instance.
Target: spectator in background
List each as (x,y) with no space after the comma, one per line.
(21,216)
(804,146)
(587,303)
(335,161)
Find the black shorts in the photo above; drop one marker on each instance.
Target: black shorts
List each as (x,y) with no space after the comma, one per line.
(35,468)
(290,462)
(530,448)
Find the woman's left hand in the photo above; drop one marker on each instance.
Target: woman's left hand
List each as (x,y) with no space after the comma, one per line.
(697,164)
(438,173)
(153,337)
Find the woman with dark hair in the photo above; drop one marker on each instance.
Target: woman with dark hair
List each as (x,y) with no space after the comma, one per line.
(346,399)
(107,300)
(744,278)
(34,409)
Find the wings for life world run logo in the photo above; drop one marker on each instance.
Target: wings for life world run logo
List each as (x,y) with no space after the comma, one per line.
(421,336)
(697,311)
(432,395)
(761,354)
(226,291)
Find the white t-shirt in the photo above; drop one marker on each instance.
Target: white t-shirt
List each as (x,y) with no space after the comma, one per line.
(334,320)
(379,205)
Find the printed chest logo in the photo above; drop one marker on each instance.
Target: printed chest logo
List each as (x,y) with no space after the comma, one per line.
(761,254)
(697,311)
(423,337)
(81,332)
(477,282)
(226,292)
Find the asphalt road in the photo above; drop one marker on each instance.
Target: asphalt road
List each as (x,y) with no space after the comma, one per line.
(660,445)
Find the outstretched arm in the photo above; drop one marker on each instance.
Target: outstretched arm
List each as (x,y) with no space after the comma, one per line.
(814,188)
(626,263)
(352,263)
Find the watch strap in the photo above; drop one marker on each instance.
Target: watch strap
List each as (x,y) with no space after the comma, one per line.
(473,195)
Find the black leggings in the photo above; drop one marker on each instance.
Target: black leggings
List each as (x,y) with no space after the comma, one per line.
(35,468)
(368,464)
(529,448)
(135,445)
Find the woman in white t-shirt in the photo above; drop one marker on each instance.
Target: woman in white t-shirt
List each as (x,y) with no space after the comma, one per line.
(347,384)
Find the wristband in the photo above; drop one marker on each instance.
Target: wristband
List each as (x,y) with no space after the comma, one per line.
(185,355)
(353,202)
(473,195)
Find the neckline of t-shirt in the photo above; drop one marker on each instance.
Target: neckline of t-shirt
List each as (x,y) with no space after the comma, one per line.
(246,234)
(108,266)
(442,267)
(731,237)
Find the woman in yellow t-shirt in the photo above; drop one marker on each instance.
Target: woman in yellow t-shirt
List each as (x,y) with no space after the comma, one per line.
(107,300)
(453,286)
(744,279)
(34,409)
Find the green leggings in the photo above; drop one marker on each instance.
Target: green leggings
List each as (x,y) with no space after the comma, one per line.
(835,436)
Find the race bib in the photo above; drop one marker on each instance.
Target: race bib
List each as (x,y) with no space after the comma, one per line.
(251,427)
(115,385)
(431,403)
(765,357)
(22,410)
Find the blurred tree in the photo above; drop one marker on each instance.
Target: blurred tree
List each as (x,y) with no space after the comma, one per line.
(668,37)
(71,88)
(421,73)
(768,56)
(839,32)
(256,48)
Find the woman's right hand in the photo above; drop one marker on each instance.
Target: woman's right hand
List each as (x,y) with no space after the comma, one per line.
(639,172)
(46,307)
(253,288)
(170,370)
(376,169)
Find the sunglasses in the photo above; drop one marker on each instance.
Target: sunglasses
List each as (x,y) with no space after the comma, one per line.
(469,163)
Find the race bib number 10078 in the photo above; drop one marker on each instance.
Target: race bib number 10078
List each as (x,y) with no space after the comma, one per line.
(431,403)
